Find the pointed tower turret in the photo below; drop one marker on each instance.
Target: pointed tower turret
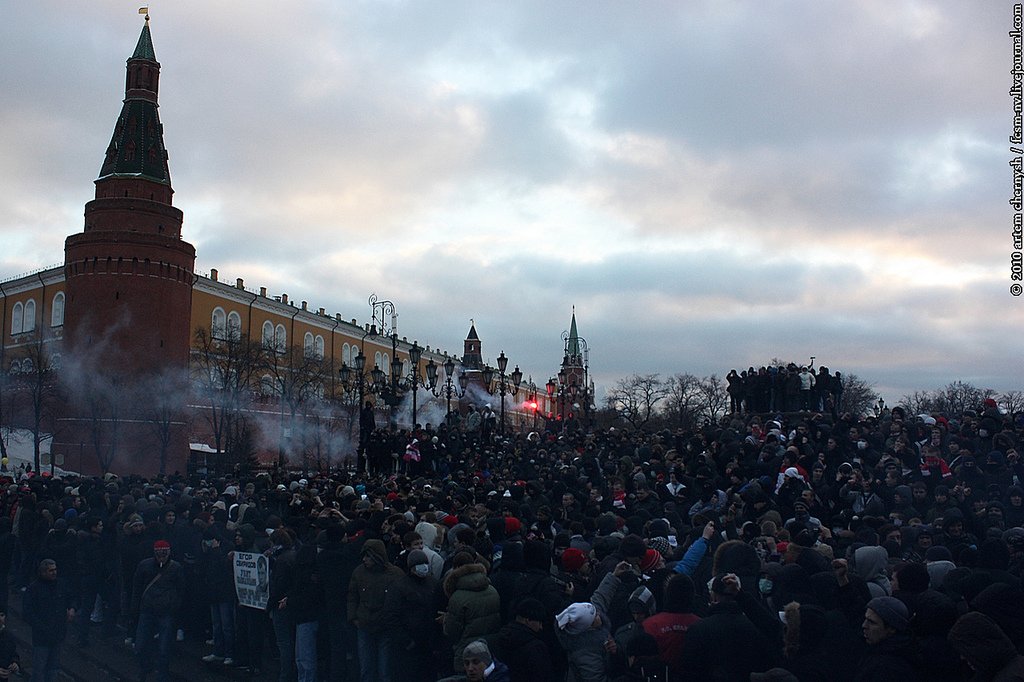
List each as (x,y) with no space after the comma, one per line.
(471,354)
(129,279)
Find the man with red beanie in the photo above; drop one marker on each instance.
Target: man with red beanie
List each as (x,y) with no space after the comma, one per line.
(157,592)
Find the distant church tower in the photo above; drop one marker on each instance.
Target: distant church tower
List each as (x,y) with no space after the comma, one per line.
(575,394)
(471,353)
(129,278)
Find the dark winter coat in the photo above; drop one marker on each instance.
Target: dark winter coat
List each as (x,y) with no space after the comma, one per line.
(158,595)
(46,610)
(474,607)
(987,648)
(525,652)
(726,645)
(894,659)
(368,588)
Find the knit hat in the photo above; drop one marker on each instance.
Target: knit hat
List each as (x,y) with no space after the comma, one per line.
(649,560)
(573,559)
(642,601)
(913,577)
(512,525)
(576,618)
(479,650)
(892,611)
(662,545)
(416,557)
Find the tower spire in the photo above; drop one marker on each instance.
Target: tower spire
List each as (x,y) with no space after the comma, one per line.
(136,148)
(572,346)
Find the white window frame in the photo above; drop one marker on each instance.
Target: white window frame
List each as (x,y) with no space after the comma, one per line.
(57,310)
(234,326)
(219,324)
(18,318)
(268,334)
(29,325)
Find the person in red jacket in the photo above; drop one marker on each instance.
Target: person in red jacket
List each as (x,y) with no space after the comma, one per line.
(669,626)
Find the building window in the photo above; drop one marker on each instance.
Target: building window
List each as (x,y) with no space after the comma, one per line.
(234,326)
(57,310)
(307,345)
(280,338)
(268,334)
(18,318)
(30,316)
(218,324)
(346,355)
(318,347)
(378,360)
(386,366)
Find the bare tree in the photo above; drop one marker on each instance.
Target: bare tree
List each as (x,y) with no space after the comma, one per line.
(690,400)
(636,398)
(298,377)
(859,396)
(163,398)
(39,389)
(1012,402)
(224,372)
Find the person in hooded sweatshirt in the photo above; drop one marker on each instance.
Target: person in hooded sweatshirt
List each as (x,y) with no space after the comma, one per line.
(986,648)
(870,564)
(367,593)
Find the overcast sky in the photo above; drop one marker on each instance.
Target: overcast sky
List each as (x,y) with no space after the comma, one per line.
(711,184)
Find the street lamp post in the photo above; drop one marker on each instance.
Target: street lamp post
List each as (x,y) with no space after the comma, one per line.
(356,379)
(446,388)
(504,387)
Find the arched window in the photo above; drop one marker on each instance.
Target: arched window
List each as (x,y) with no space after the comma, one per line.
(280,338)
(266,386)
(234,326)
(378,360)
(268,334)
(318,347)
(57,310)
(30,315)
(346,355)
(218,324)
(307,345)
(386,366)
(18,318)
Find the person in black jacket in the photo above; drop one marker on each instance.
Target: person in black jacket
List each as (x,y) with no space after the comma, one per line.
(282,578)
(48,608)
(522,645)
(10,663)
(892,653)
(157,591)
(410,607)
(727,644)
(337,558)
(218,580)
(7,546)
(304,602)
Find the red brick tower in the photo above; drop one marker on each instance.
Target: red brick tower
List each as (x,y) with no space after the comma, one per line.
(129,279)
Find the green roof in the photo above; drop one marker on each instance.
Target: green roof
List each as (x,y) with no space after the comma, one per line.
(144,50)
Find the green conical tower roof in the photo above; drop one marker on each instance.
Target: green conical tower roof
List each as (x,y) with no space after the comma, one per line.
(573,343)
(136,148)
(144,50)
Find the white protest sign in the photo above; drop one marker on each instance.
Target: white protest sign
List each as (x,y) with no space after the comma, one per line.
(252,579)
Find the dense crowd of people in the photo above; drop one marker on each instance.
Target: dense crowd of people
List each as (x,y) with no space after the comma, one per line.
(796,545)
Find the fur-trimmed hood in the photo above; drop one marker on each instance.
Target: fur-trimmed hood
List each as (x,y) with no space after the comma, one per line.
(471,577)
